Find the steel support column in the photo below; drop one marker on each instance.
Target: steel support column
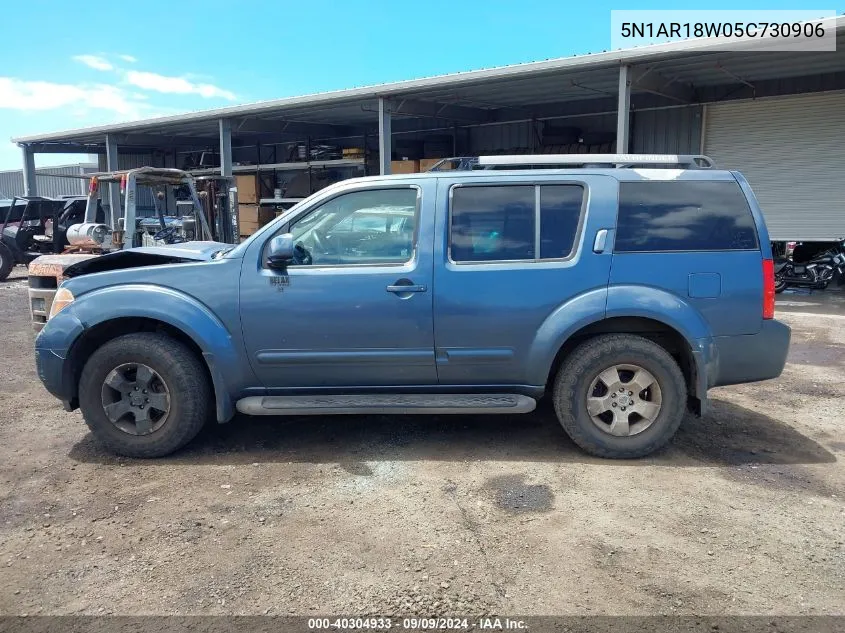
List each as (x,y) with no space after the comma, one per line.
(30,188)
(114,187)
(385,144)
(623,110)
(225,148)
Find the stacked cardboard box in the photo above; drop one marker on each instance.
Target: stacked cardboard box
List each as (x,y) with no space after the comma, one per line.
(251,217)
(247,188)
(404,166)
(428,163)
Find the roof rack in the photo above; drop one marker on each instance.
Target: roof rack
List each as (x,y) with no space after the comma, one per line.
(684,161)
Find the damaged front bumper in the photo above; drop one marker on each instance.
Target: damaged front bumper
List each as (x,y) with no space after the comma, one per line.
(52,346)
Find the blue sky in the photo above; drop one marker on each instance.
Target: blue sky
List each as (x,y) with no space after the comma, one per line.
(67,65)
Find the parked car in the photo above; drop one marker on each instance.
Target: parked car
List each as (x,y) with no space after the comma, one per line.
(620,290)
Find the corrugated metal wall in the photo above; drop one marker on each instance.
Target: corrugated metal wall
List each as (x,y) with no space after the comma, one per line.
(500,138)
(145,200)
(11,182)
(790,150)
(518,136)
(130,161)
(666,131)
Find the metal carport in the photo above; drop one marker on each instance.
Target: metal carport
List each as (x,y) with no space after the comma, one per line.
(650,99)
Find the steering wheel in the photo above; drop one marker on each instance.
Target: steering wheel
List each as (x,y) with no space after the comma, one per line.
(168,235)
(301,255)
(70,216)
(317,239)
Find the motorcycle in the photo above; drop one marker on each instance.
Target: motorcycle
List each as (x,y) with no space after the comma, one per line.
(813,267)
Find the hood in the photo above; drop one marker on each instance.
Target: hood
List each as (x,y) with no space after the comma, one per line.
(147,256)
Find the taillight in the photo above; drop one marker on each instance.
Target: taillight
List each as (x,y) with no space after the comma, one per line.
(768,289)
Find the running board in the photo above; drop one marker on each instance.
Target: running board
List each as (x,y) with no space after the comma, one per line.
(387,403)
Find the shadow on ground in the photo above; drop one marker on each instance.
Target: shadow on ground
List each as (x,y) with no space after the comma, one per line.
(17,274)
(731,435)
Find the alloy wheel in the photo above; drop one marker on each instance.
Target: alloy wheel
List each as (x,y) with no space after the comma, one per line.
(624,400)
(135,398)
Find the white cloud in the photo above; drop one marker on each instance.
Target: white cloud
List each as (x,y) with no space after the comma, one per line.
(176,85)
(92,61)
(18,94)
(128,58)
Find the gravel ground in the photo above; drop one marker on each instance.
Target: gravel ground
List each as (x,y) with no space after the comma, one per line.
(742,514)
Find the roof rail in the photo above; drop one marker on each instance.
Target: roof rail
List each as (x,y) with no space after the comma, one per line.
(685,161)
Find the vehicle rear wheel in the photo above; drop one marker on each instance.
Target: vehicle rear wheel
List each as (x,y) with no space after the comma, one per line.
(7,261)
(620,396)
(780,284)
(144,395)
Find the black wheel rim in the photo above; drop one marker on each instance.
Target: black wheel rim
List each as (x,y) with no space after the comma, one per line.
(135,399)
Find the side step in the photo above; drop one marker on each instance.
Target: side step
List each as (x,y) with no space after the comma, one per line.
(387,403)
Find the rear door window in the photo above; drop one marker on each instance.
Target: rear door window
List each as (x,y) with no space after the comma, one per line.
(560,212)
(684,216)
(514,222)
(493,223)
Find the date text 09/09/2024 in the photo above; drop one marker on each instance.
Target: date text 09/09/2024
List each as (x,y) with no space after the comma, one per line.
(417,624)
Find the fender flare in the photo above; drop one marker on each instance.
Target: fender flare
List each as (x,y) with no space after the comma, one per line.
(675,312)
(625,301)
(571,316)
(180,311)
(659,305)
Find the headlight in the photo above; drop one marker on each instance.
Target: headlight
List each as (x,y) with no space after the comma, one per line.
(61,300)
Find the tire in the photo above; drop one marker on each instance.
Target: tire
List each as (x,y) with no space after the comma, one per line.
(780,285)
(7,261)
(179,373)
(581,370)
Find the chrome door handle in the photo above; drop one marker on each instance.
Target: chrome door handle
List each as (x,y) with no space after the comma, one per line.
(408,288)
(601,241)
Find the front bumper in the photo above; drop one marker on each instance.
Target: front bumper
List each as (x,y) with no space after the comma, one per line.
(51,369)
(52,346)
(751,357)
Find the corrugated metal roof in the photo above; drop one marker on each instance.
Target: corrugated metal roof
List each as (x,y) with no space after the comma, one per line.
(700,62)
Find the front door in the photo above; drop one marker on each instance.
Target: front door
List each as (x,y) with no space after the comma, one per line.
(355,310)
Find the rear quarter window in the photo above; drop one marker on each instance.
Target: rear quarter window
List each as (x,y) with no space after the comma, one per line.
(683,216)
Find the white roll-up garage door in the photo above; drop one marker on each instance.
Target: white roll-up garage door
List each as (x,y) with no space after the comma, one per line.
(792,151)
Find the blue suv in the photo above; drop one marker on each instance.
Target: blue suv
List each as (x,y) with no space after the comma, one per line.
(622,287)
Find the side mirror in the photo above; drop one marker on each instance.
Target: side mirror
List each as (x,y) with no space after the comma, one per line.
(280,253)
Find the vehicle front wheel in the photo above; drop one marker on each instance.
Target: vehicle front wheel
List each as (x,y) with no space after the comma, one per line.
(144,395)
(620,396)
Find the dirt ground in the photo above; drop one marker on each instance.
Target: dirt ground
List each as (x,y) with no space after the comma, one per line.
(742,514)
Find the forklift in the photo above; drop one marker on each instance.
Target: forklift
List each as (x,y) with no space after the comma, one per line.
(203,215)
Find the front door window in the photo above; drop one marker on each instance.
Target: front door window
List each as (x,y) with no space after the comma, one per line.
(362,227)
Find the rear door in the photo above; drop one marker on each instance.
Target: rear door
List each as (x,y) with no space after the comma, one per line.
(509,251)
(696,237)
